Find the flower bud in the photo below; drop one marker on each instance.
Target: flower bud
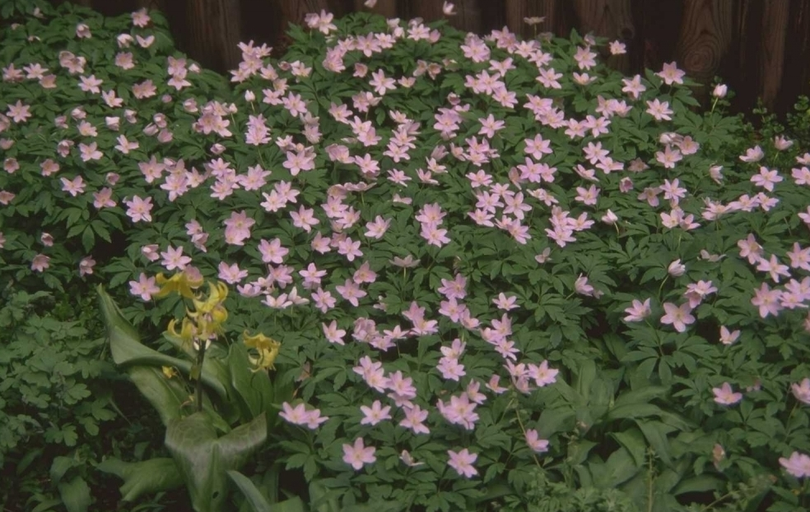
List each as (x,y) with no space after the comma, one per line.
(676,268)
(609,218)
(720,91)
(113,123)
(250,96)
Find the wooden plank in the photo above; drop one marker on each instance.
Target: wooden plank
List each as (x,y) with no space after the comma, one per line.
(468,16)
(428,10)
(294,11)
(743,75)
(517,10)
(493,16)
(774,30)
(159,5)
(387,8)
(607,18)
(704,40)
(214,31)
(796,78)
(659,22)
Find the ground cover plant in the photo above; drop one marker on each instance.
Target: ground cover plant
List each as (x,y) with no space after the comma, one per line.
(502,275)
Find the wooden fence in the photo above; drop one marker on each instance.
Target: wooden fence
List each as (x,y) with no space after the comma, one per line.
(760,48)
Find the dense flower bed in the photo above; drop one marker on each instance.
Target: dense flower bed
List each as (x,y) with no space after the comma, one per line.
(481,255)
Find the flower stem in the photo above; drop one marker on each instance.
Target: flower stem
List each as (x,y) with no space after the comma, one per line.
(200,360)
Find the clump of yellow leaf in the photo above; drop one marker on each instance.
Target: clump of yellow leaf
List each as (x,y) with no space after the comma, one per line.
(183,283)
(266,350)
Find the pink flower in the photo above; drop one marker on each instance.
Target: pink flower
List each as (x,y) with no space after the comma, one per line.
(766,178)
(728,337)
(296,415)
(414,419)
(505,303)
(749,248)
(358,454)
(375,414)
(754,154)
(534,442)
(582,287)
(40,263)
(314,419)
(174,259)
(351,292)
(6,197)
(671,74)
(494,385)
(797,465)
(802,391)
(767,300)
(304,218)
(231,274)
(237,228)
(542,374)
(333,334)
(676,268)
(144,287)
(86,266)
(272,252)
(725,395)
(139,209)
(462,462)
(677,316)
(773,268)
(73,187)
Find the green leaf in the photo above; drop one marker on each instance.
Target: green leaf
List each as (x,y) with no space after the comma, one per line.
(59,467)
(555,420)
(640,396)
(127,349)
(633,441)
(204,459)
(75,495)
(253,495)
(259,502)
(701,483)
(321,499)
(47,505)
(254,389)
(585,376)
(656,434)
(166,395)
(88,239)
(144,477)
(631,411)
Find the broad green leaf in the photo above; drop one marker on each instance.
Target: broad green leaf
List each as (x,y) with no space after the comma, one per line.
(640,396)
(254,389)
(144,477)
(322,499)
(585,376)
(633,440)
(555,420)
(75,495)
(47,505)
(620,467)
(252,494)
(656,435)
(166,395)
(60,466)
(127,349)
(631,411)
(204,459)
(700,483)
